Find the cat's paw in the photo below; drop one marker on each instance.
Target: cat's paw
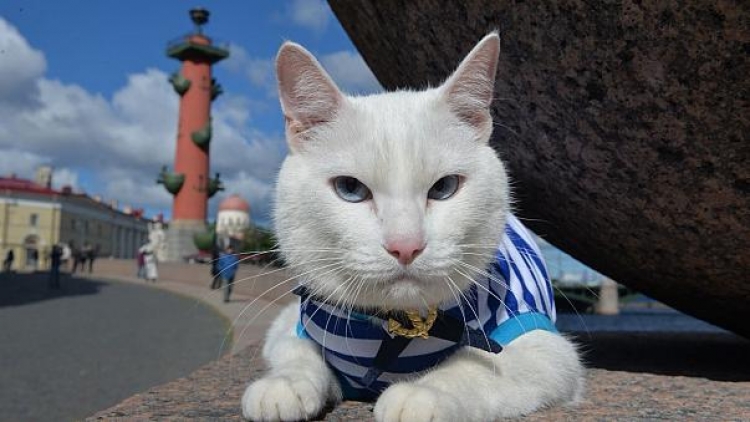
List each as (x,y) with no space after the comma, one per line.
(416,403)
(282,398)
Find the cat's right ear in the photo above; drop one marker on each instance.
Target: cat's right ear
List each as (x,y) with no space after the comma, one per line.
(309,97)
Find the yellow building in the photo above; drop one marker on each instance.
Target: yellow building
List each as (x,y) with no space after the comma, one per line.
(33,217)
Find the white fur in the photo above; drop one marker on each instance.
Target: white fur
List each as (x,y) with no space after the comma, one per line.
(398,144)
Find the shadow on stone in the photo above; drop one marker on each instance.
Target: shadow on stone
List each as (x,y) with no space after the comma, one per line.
(715,356)
(22,289)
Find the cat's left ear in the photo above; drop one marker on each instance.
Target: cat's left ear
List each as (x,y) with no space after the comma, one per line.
(469,90)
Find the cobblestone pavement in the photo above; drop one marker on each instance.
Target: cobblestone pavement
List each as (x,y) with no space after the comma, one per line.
(716,388)
(67,353)
(258,294)
(633,376)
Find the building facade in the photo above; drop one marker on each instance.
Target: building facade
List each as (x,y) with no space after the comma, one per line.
(35,217)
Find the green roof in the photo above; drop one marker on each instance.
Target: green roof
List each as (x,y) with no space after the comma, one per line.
(188,50)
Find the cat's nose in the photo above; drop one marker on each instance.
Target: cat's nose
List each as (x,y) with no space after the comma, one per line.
(405,250)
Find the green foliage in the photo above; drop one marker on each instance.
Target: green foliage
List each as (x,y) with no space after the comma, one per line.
(258,239)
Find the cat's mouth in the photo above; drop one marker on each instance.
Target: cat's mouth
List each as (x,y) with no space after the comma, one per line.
(405,277)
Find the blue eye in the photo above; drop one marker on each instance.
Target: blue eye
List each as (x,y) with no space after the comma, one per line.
(444,188)
(350,189)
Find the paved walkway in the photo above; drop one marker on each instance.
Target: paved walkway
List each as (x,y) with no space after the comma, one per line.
(259,293)
(634,376)
(65,354)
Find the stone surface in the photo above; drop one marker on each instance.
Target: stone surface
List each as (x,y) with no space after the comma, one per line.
(636,377)
(180,239)
(624,125)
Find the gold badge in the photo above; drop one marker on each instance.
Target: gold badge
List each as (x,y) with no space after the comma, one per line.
(420,327)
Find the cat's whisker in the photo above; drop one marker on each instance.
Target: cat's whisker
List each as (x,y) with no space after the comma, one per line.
(242,333)
(326,300)
(348,307)
(493,295)
(256,316)
(473,311)
(492,278)
(578,314)
(336,305)
(259,297)
(453,286)
(508,289)
(506,127)
(258,276)
(272,302)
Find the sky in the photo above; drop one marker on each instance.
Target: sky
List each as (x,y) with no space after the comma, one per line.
(83,87)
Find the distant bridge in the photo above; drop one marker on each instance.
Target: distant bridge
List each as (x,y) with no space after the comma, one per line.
(583,297)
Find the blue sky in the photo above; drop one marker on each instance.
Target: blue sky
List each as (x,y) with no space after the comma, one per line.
(83,87)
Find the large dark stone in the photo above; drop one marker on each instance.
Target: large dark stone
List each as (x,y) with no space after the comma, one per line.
(624,125)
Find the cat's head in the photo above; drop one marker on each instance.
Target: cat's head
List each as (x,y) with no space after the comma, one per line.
(393,200)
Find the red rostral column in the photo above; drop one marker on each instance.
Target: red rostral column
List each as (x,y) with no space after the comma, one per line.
(191,183)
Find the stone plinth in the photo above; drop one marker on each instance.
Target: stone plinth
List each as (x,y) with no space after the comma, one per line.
(180,239)
(624,126)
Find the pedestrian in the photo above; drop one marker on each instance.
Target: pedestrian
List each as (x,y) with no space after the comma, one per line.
(141,264)
(85,254)
(228,263)
(8,262)
(67,254)
(76,252)
(54,270)
(149,262)
(92,255)
(215,279)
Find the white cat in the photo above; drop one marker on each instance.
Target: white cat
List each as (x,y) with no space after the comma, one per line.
(418,286)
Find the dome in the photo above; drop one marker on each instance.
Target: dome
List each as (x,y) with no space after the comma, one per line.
(234,203)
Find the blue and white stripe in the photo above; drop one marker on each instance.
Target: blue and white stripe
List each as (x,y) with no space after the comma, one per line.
(516,298)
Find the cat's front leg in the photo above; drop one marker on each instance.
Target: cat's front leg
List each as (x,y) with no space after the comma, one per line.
(537,369)
(299,383)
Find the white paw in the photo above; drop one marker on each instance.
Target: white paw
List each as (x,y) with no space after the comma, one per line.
(282,398)
(414,403)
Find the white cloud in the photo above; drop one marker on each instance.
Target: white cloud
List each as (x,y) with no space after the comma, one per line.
(259,71)
(64,177)
(349,70)
(21,66)
(120,143)
(310,14)
(256,191)
(20,163)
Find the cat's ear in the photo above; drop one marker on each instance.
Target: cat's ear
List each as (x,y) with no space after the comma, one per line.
(309,96)
(469,90)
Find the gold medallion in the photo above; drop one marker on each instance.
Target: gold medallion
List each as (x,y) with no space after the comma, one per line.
(420,327)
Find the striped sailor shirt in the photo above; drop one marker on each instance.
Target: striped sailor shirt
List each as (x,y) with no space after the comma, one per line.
(514,298)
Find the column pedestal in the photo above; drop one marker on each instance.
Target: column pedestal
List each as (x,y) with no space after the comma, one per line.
(180,239)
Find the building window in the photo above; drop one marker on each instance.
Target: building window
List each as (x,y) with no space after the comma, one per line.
(86,228)
(73,224)
(33,220)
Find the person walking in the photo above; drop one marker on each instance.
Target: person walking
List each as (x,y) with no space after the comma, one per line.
(8,262)
(66,257)
(149,263)
(54,270)
(85,254)
(215,279)
(77,259)
(92,255)
(141,263)
(228,262)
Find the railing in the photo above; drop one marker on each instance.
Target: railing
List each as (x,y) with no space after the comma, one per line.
(186,38)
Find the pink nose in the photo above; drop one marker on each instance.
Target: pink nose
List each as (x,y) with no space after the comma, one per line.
(405,250)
